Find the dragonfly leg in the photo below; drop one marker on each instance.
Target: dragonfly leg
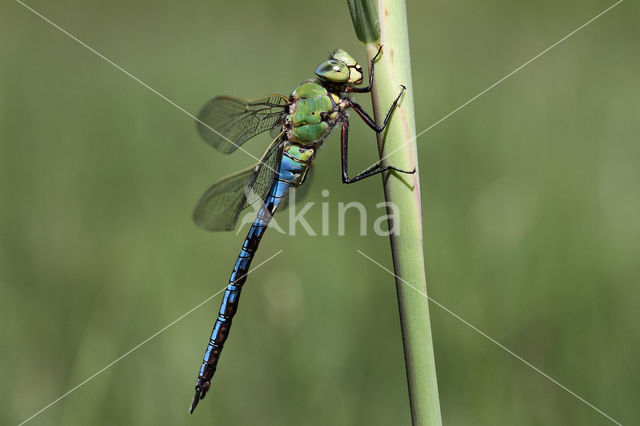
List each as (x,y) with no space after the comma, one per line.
(367,89)
(373,170)
(368,120)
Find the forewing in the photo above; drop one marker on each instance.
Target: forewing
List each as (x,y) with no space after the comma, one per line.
(220,206)
(226,122)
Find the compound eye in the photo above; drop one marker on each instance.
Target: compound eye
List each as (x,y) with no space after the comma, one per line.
(333,71)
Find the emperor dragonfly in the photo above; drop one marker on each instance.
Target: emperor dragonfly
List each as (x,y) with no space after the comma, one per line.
(303,121)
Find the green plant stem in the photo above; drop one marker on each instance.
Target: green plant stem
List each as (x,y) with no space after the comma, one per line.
(392,69)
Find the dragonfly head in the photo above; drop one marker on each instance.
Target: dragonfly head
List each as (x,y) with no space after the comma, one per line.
(340,68)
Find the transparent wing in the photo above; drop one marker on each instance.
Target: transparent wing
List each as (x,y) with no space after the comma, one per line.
(221,205)
(226,122)
(275,132)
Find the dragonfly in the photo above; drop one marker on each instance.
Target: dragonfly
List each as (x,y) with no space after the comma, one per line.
(300,123)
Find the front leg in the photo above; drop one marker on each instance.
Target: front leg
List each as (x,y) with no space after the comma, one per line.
(367,89)
(373,170)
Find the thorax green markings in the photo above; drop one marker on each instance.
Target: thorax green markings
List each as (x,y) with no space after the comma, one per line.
(312,114)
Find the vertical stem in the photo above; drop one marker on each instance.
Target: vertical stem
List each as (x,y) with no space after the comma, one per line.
(402,190)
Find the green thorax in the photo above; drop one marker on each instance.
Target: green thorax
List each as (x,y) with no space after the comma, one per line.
(312,114)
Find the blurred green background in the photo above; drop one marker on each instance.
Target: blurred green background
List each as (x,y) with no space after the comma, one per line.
(531,218)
